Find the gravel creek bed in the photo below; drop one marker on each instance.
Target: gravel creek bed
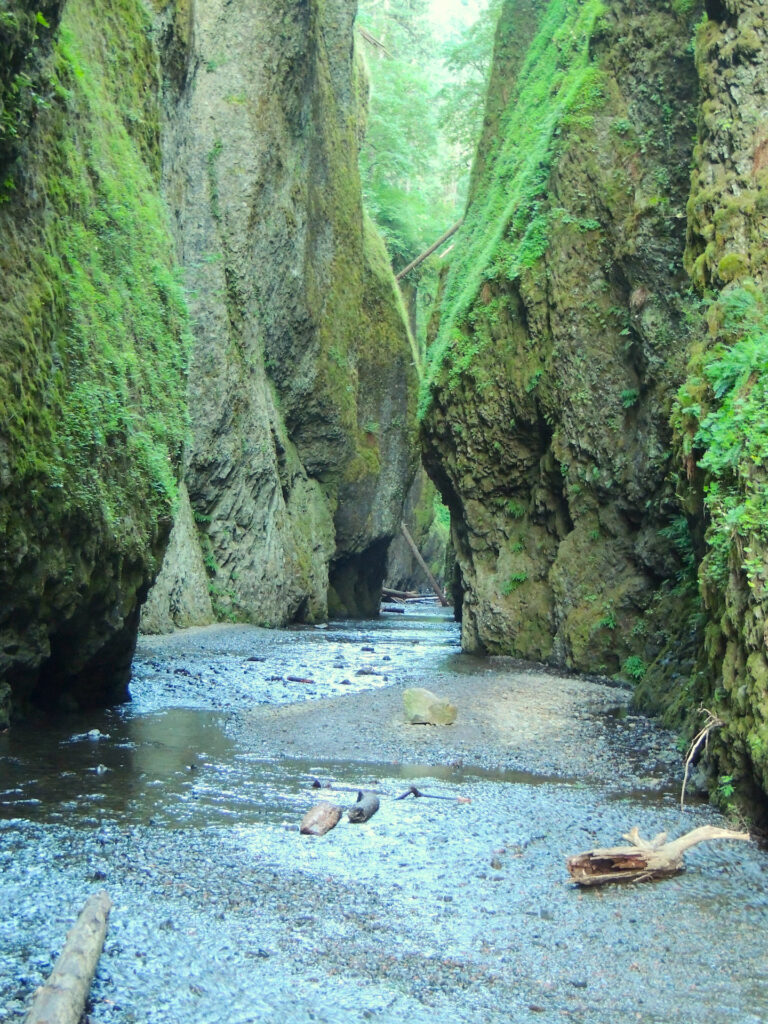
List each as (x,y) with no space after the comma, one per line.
(184,805)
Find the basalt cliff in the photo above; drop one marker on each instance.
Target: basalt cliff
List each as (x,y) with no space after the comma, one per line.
(206,372)
(594,412)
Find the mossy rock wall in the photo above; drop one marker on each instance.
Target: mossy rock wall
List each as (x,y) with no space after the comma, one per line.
(563,334)
(156,161)
(721,418)
(93,343)
(302,392)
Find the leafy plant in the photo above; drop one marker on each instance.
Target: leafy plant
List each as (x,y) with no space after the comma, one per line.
(514,580)
(629,397)
(634,667)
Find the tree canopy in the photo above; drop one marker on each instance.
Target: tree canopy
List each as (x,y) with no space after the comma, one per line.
(425,111)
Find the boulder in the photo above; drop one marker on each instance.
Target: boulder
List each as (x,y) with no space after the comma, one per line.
(422,707)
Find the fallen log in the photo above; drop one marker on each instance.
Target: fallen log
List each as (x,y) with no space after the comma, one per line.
(428,252)
(392,608)
(425,568)
(320,819)
(61,1000)
(643,860)
(299,679)
(365,808)
(399,595)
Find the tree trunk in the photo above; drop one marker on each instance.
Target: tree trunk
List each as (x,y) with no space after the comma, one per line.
(62,999)
(417,555)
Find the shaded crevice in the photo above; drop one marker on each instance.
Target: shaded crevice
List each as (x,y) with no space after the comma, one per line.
(355,582)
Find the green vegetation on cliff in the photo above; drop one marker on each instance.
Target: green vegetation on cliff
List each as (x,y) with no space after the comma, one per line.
(507,226)
(732,434)
(95,326)
(93,356)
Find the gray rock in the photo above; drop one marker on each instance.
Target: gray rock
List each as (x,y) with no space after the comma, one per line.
(422,707)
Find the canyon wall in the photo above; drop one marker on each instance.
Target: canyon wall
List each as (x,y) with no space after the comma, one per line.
(594,413)
(301,388)
(191,292)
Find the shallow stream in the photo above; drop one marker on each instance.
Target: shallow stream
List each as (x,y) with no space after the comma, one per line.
(185,803)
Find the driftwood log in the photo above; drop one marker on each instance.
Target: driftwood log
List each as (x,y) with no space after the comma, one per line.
(643,860)
(425,568)
(320,819)
(365,808)
(61,1000)
(400,595)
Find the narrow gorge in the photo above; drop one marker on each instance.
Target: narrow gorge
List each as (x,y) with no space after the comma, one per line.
(209,387)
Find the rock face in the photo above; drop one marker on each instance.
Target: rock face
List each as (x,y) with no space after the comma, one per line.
(721,425)
(155,161)
(562,336)
(301,388)
(597,431)
(93,348)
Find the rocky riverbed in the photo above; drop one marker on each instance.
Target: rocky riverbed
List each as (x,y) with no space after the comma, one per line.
(185,806)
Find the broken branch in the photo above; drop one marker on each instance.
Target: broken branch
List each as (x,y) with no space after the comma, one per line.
(62,999)
(701,737)
(643,859)
(365,808)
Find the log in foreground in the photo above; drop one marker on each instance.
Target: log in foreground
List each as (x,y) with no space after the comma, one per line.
(320,819)
(365,808)
(644,859)
(62,999)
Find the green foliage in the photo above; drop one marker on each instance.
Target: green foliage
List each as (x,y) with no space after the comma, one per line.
(733,435)
(401,158)
(725,787)
(634,667)
(467,59)
(442,514)
(629,397)
(515,509)
(514,580)
(507,226)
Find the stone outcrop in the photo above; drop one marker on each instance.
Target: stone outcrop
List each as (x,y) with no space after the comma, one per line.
(159,161)
(301,388)
(563,336)
(92,346)
(721,422)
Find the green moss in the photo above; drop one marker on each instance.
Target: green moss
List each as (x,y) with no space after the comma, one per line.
(507,227)
(733,266)
(94,336)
